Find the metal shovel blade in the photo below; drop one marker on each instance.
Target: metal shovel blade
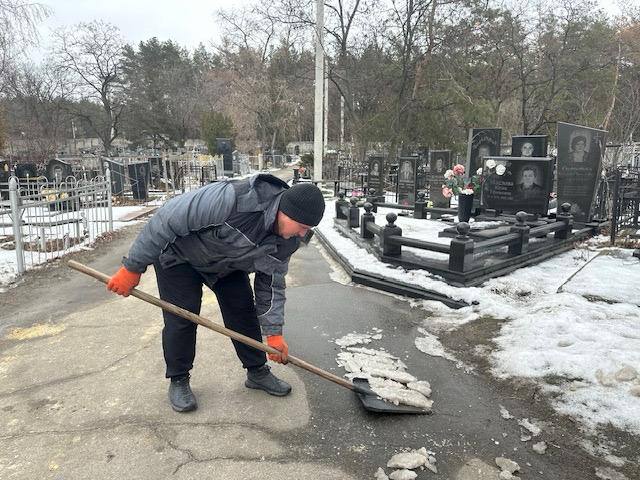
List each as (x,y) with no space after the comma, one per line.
(373,403)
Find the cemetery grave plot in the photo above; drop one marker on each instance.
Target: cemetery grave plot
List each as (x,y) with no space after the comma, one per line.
(501,246)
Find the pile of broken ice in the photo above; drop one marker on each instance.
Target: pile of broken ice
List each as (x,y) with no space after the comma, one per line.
(405,463)
(386,373)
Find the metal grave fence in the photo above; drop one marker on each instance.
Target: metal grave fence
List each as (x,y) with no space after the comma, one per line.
(46,220)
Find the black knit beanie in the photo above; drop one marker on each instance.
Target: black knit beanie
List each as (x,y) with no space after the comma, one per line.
(304,203)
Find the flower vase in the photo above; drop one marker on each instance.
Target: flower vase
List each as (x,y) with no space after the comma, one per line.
(465,205)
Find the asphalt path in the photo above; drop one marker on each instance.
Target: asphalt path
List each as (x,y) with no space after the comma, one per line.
(320,431)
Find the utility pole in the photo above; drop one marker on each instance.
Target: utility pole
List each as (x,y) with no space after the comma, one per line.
(341,121)
(326,105)
(318,143)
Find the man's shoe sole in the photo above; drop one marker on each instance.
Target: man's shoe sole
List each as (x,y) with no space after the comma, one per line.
(188,408)
(250,384)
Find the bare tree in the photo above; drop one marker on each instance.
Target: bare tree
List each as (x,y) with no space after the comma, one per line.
(37,111)
(18,20)
(90,54)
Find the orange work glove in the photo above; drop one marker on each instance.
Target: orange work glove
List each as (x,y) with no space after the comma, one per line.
(123,282)
(277,342)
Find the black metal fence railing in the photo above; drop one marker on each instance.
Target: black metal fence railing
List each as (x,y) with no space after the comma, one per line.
(625,200)
(190,177)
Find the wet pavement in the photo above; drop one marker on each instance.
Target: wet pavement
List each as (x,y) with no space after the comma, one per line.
(83,395)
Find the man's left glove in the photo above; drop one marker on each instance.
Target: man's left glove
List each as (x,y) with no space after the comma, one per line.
(277,342)
(123,282)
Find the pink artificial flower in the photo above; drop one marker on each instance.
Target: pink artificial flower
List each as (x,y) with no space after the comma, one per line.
(447,192)
(458,170)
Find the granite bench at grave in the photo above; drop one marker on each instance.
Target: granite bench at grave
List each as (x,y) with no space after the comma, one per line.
(439,163)
(580,151)
(407,172)
(513,184)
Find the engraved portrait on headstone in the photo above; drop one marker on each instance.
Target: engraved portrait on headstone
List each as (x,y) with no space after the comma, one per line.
(483,142)
(529,146)
(375,176)
(439,162)
(513,184)
(579,163)
(407,180)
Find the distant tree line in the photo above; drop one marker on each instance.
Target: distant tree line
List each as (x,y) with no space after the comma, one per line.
(402,73)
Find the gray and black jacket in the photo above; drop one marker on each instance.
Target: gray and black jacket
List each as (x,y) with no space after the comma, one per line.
(220,228)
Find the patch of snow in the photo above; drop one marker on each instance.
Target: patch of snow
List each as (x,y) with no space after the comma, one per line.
(421,386)
(395,375)
(380,475)
(606,473)
(615,460)
(430,345)
(396,393)
(407,460)
(504,413)
(540,448)
(534,429)
(507,465)
(351,339)
(619,265)
(543,333)
(403,475)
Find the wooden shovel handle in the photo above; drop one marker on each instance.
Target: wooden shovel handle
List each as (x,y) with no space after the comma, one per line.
(200,320)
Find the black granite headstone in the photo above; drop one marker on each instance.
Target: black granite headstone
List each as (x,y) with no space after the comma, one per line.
(483,142)
(58,171)
(580,151)
(407,180)
(225,148)
(375,178)
(529,145)
(24,170)
(139,178)
(513,184)
(439,163)
(116,170)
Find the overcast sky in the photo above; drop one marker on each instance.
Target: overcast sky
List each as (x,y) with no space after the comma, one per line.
(188,22)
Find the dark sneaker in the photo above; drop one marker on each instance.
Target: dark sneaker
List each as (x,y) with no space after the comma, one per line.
(263,379)
(181,397)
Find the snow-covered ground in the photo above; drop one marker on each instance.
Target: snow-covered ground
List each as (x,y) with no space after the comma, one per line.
(95,226)
(571,323)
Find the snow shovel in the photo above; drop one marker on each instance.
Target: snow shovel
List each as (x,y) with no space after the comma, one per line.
(369,399)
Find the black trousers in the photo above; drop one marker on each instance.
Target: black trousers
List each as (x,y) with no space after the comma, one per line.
(182,286)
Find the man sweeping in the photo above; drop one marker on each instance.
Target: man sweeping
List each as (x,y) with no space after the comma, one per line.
(216,236)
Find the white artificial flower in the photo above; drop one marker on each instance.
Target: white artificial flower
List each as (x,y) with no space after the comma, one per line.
(466,191)
(490,163)
(500,169)
(479,172)
(448,174)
